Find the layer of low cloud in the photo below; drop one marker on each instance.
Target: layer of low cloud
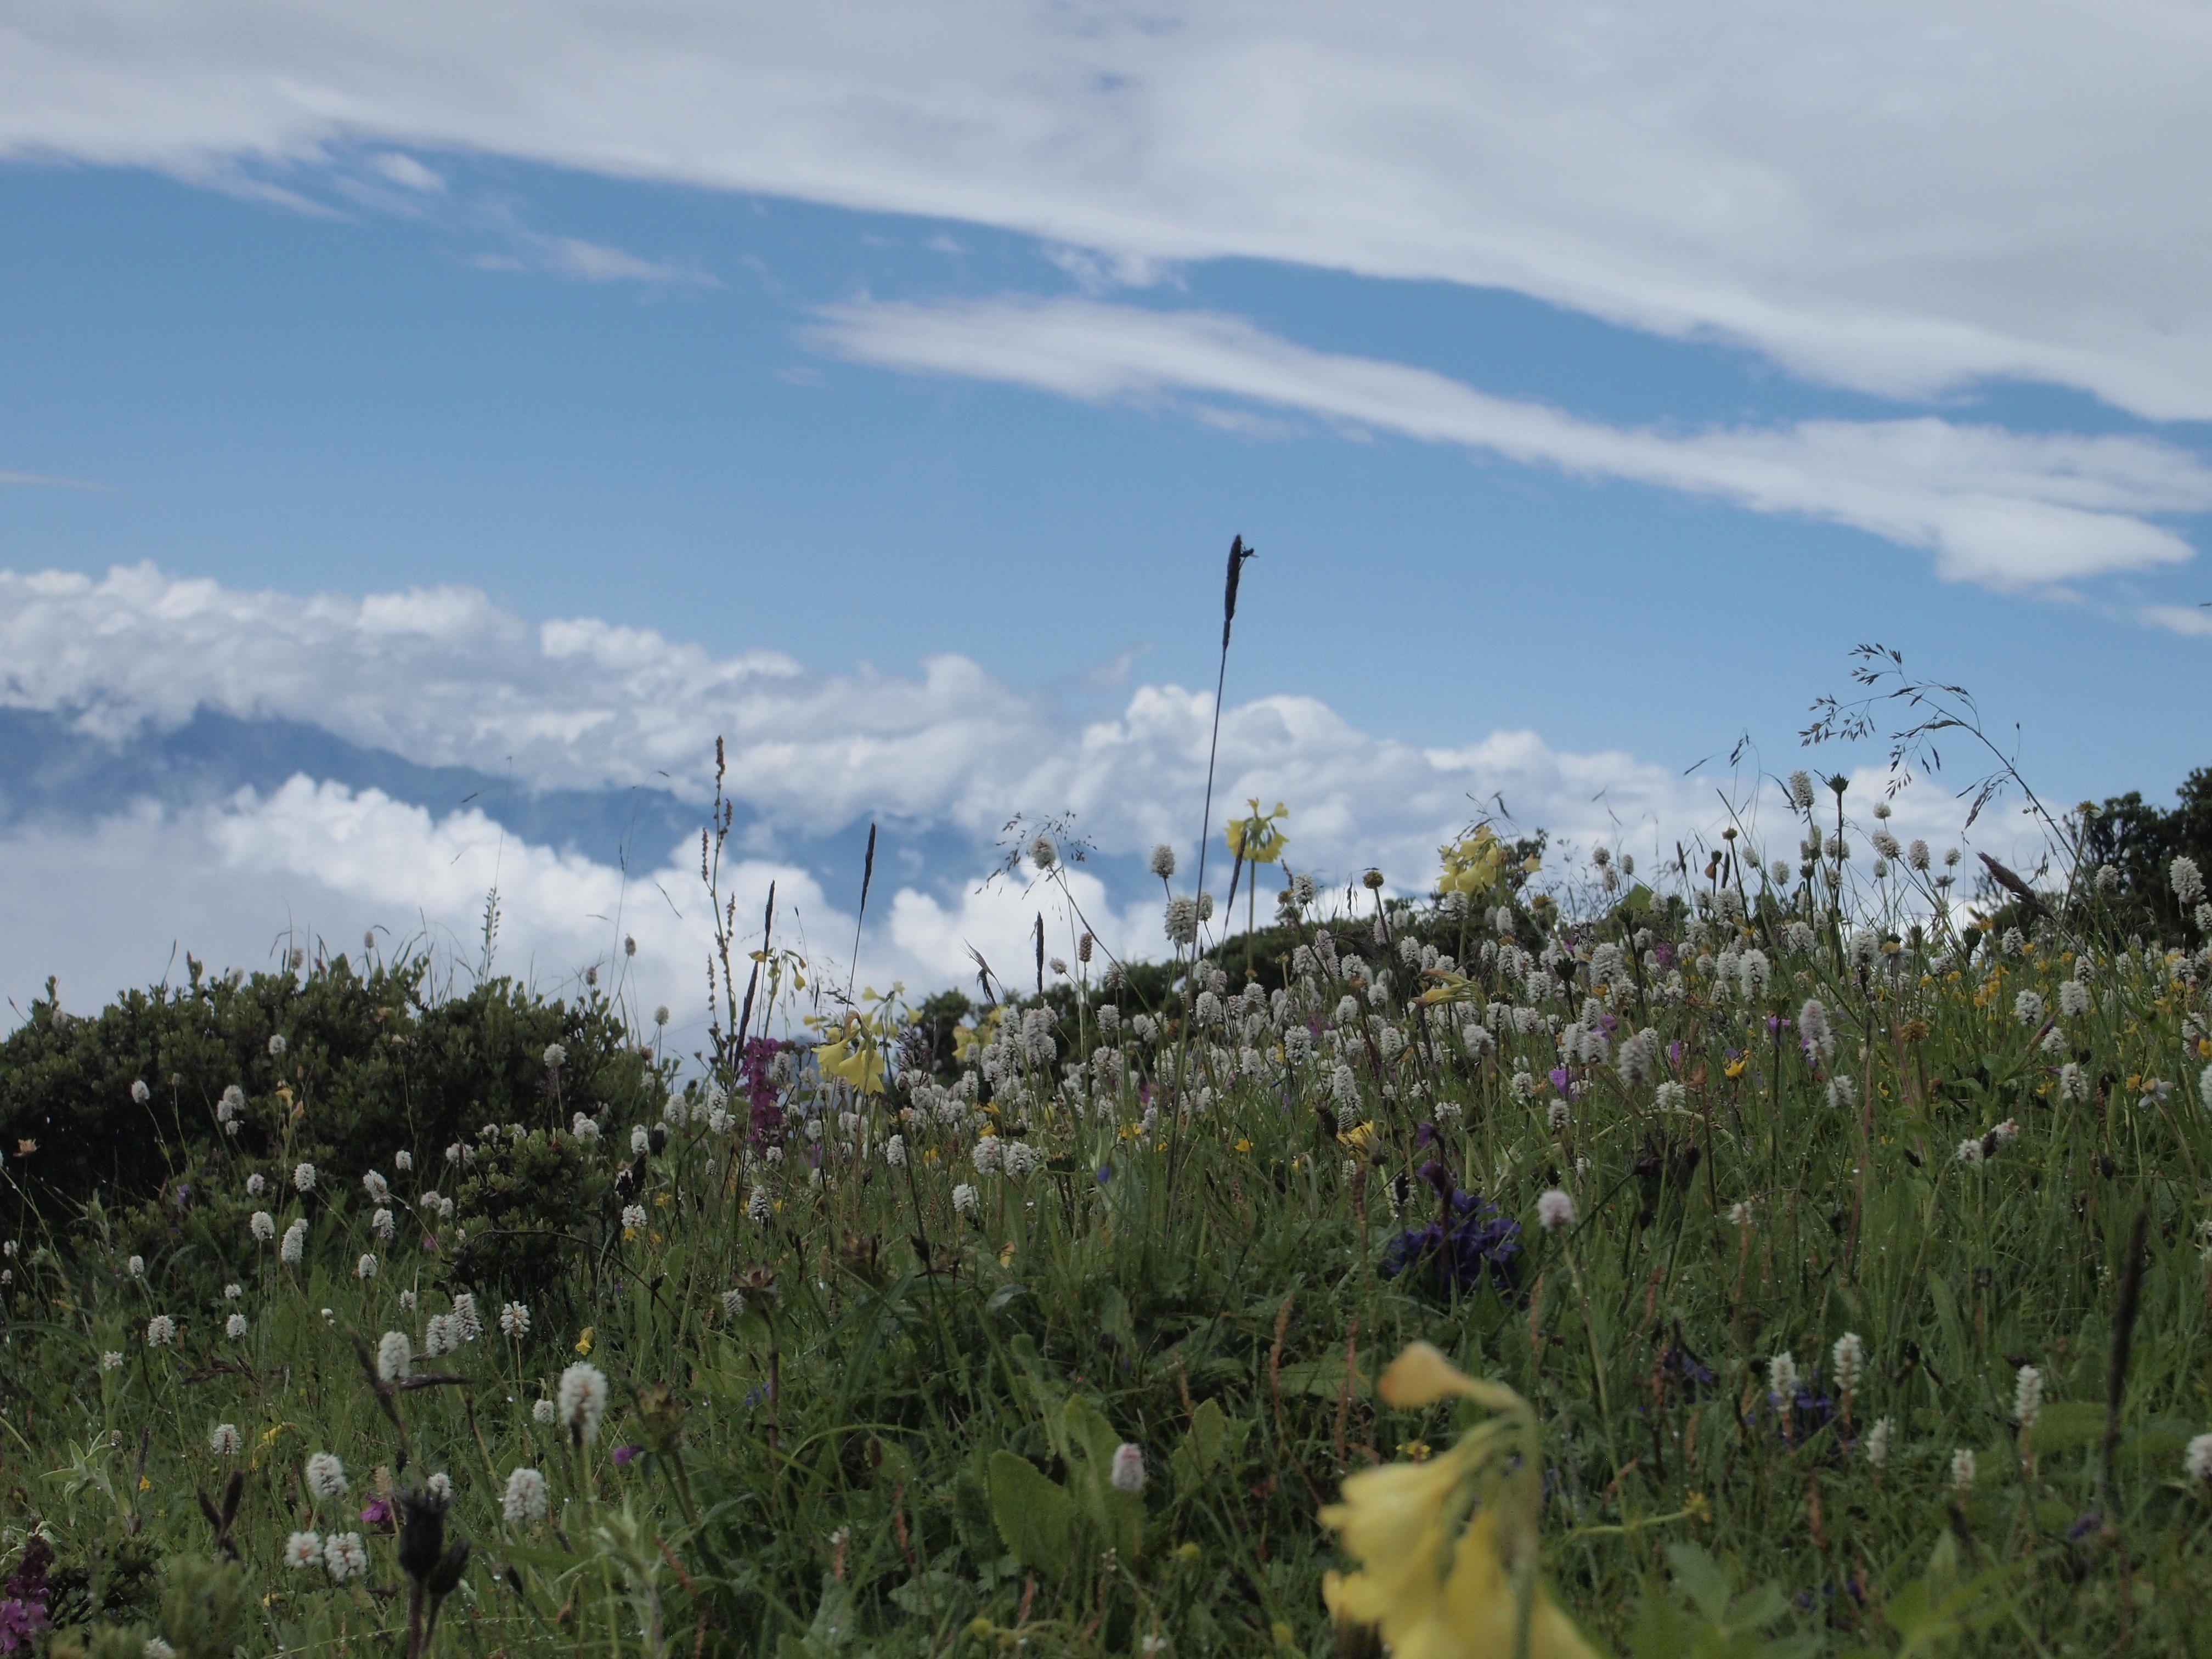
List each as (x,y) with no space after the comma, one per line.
(1898,197)
(1997,507)
(446,675)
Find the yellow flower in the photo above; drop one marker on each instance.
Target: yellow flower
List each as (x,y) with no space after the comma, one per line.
(584,1342)
(1733,1068)
(1256,839)
(1428,1594)
(1006,1254)
(1359,1139)
(1472,865)
(1244,1144)
(853,1058)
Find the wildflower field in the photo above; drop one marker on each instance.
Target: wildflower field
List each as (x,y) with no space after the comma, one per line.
(1745,1257)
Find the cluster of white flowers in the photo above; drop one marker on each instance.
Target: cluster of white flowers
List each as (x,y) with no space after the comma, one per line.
(326,1478)
(225,1441)
(633,1218)
(581,1399)
(1850,1357)
(160,1332)
(514,1319)
(294,1249)
(344,1556)
(234,1327)
(525,1499)
(394,1354)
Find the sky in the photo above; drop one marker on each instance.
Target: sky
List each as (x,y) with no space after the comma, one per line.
(422,436)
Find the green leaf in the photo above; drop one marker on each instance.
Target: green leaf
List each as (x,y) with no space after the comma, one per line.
(1033,1514)
(2066,1426)
(1324,1379)
(1209,1428)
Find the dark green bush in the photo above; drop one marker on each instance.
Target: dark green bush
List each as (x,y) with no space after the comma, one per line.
(370,1064)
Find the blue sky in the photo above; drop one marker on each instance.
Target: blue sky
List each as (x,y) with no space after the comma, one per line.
(1621,442)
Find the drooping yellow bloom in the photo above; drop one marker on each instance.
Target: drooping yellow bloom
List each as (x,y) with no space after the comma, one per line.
(1359,1139)
(1472,865)
(1432,1589)
(853,1057)
(1256,839)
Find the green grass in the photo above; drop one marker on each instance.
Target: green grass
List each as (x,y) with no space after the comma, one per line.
(832,1469)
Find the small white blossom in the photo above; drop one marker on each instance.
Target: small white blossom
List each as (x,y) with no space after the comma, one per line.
(303,1177)
(464,1313)
(442,1334)
(402,1161)
(366,1267)
(394,1354)
(326,1477)
(633,1218)
(295,1246)
(733,1305)
(1850,1356)
(1970,1152)
(2027,1008)
(160,1332)
(2197,1460)
(303,1549)
(759,1208)
(344,1556)
(544,1411)
(256,1185)
(895,1151)
(1163,861)
(1782,1379)
(136,1267)
(583,1127)
(641,1139)
(1878,1439)
(2027,1397)
(556,1057)
(525,1499)
(234,1327)
(1962,1471)
(514,1319)
(232,1292)
(1555,1210)
(263,1225)
(1128,1473)
(964,1199)
(226,1441)
(441,1487)
(383,1225)
(276,1046)
(583,1400)
(111,1361)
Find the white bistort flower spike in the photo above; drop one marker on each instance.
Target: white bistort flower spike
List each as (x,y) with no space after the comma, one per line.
(303,1549)
(326,1477)
(526,1498)
(583,1400)
(1555,1210)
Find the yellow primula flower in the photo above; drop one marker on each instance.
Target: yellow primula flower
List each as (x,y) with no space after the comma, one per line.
(1472,865)
(1256,839)
(584,1342)
(1432,1589)
(1359,1139)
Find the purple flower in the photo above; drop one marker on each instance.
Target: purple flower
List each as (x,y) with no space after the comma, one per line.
(753,1067)
(1468,1243)
(21,1621)
(1105,1173)
(1559,1078)
(1674,1053)
(625,1456)
(378,1514)
(1424,1133)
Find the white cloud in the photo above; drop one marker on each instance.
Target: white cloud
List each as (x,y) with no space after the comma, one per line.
(406,172)
(446,675)
(1994,506)
(595,262)
(1896,194)
(2192,623)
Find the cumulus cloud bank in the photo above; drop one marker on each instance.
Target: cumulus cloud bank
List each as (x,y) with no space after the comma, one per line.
(447,676)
